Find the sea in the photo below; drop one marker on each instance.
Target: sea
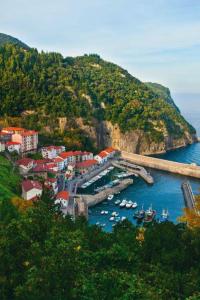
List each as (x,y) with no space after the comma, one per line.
(166,191)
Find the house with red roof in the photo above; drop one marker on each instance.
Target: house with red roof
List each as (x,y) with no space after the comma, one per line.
(31,189)
(25,164)
(68,157)
(52,151)
(104,155)
(86,166)
(59,162)
(13,146)
(62,198)
(28,140)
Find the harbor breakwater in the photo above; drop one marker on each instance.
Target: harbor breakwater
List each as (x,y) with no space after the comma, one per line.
(92,200)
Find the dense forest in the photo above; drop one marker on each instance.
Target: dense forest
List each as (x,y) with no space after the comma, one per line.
(88,87)
(56,258)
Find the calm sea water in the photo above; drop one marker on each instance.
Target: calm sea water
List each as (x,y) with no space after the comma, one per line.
(166,191)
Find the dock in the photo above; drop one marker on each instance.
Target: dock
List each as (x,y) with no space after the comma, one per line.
(134,169)
(162,164)
(92,200)
(188,195)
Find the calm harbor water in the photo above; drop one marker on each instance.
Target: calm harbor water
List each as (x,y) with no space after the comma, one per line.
(165,193)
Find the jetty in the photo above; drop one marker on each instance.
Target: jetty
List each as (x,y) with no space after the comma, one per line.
(134,169)
(91,200)
(188,195)
(162,164)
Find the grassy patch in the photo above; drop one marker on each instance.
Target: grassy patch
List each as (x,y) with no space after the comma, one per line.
(9,180)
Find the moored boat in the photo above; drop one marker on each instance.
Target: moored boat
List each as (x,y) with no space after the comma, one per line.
(110,197)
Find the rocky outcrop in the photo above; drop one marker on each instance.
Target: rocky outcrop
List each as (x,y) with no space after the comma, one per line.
(136,141)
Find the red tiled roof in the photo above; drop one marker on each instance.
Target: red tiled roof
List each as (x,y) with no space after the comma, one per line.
(40,168)
(5,133)
(12,143)
(42,161)
(13,129)
(63,195)
(57,159)
(25,161)
(102,154)
(28,185)
(29,132)
(109,150)
(66,154)
(86,163)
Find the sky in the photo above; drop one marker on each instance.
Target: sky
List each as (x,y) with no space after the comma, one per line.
(155,40)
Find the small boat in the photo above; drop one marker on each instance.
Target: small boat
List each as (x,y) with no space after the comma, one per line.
(110,197)
(164,215)
(123,204)
(117,202)
(139,215)
(117,219)
(102,212)
(112,219)
(105,212)
(97,223)
(129,204)
(149,215)
(123,218)
(114,214)
(134,205)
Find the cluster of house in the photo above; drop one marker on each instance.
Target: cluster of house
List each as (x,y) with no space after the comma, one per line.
(55,159)
(16,139)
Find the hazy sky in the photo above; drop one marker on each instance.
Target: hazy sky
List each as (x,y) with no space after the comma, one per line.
(155,40)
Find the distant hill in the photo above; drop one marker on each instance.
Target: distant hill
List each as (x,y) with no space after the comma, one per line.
(8,39)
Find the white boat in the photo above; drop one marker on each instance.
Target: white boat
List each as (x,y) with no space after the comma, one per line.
(114,214)
(102,212)
(117,202)
(112,219)
(123,203)
(97,223)
(134,205)
(123,218)
(129,204)
(105,212)
(110,197)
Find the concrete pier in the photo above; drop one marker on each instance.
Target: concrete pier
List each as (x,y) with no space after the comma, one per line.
(162,164)
(188,195)
(92,200)
(135,169)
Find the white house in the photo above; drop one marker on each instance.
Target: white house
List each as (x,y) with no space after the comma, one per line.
(13,146)
(68,157)
(25,164)
(104,155)
(62,198)
(31,190)
(52,151)
(2,146)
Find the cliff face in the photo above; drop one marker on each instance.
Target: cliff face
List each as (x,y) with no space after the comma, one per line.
(136,141)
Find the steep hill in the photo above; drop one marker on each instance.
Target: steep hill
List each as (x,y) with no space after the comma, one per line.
(89,94)
(7,39)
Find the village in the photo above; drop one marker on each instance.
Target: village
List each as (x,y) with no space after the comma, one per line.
(59,171)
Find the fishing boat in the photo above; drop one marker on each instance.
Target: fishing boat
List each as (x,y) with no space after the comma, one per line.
(164,215)
(134,205)
(123,203)
(117,202)
(139,215)
(110,197)
(149,215)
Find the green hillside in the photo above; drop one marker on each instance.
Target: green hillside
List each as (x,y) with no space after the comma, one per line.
(7,39)
(9,180)
(86,87)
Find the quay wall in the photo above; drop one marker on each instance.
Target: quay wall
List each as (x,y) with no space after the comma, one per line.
(92,200)
(162,164)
